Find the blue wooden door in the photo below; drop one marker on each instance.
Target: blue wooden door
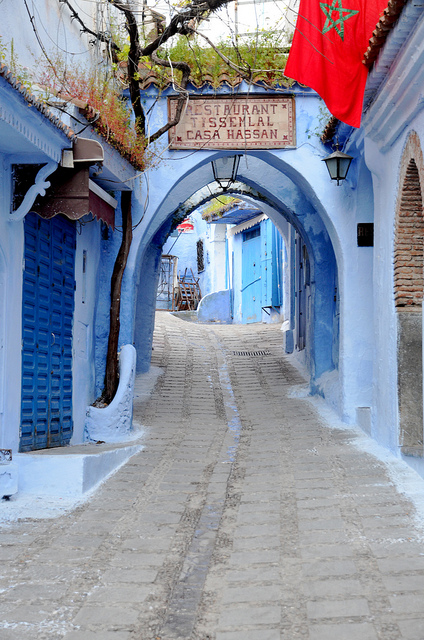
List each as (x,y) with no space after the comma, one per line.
(251,299)
(47,314)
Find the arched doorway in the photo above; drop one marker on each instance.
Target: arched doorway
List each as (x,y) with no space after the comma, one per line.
(283,199)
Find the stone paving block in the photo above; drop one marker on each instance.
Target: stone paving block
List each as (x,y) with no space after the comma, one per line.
(322,537)
(412,629)
(115,594)
(25,613)
(380,522)
(400,564)
(147,544)
(262,517)
(347,631)
(396,548)
(246,558)
(390,533)
(107,616)
(320,492)
(127,559)
(332,588)
(313,474)
(406,604)
(138,575)
(328,513)
(258,530)
(253,542)
(97,635)
(399,583)
(246,616)
(257,574)
(326,551)
(270,506)
(258,594)
(249,634)
(337,608)
(318,503)
(326,568)
(317,524)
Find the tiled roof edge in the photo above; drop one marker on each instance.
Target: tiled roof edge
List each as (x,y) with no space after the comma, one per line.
(330,130)
(384,26)
(34,102)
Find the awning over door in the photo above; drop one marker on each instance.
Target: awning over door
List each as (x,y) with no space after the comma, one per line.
(74,195)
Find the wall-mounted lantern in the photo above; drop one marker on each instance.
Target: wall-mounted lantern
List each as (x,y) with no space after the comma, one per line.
(338,164)
(225,170)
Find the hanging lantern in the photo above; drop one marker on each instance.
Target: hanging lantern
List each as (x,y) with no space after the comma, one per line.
(338,164)
(225,170)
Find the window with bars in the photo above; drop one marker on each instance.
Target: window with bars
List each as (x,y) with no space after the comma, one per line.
(200,256)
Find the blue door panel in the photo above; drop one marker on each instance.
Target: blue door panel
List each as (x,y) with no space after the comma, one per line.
(47,314)
(251,277)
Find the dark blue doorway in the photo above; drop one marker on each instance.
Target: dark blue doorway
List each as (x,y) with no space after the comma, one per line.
(47,315)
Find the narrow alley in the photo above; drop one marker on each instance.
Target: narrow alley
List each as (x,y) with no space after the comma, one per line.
(245,517)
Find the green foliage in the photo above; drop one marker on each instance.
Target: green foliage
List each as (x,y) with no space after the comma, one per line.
(9,57)
(92,90)
(260,55)
(218,206)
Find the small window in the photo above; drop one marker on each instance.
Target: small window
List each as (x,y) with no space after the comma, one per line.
(84,276)
(200,256)
(251,233)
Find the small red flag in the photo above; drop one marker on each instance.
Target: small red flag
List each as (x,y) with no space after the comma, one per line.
(328,48)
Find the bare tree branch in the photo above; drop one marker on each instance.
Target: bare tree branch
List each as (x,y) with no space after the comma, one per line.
(102,37)
(181,23)
(183,95)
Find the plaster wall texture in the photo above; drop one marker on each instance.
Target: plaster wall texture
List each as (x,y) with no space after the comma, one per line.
(386,170)
(50,17)
(11,263)
(109,246)
(215,307)
(396,112)
(218,265)
(114,422)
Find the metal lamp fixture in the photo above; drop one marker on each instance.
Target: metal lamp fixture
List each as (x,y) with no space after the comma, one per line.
(338,164)
(225,170)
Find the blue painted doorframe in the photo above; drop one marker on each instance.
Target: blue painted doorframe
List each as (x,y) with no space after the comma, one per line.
(47,315)
(251,286)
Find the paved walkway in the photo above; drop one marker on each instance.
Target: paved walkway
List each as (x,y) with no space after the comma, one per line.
(244,518)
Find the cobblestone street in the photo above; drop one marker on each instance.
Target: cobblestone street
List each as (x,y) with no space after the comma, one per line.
(245,517)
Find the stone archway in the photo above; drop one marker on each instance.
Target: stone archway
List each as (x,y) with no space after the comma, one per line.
(283,200)
(408,295)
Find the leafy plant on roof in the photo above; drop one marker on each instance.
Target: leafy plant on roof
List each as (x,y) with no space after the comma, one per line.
(259,57)
(100,98)
(218,206)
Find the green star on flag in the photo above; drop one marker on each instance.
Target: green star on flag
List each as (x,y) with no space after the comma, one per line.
(328,47)
(344,14)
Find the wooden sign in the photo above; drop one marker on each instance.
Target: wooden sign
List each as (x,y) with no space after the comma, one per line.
(242,122)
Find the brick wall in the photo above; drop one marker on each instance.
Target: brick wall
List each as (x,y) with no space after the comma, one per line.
(409,232)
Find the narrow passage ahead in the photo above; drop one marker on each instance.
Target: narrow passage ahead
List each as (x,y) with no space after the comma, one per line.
(245,517)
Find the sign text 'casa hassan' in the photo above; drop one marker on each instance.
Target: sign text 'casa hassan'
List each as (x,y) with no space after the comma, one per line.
(247,122)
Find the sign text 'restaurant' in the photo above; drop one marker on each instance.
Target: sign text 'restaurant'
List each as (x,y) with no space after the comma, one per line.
(252,122)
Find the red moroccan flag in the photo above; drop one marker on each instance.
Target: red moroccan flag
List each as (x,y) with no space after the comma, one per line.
(328,47)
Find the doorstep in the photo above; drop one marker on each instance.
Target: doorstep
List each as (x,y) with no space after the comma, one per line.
(70,471)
